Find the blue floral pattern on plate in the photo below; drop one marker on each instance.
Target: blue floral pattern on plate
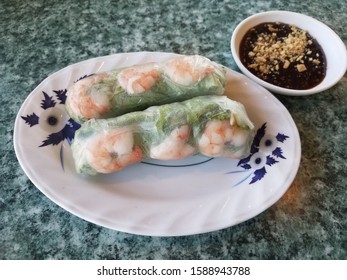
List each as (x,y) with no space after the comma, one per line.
(266,151)
(54,121)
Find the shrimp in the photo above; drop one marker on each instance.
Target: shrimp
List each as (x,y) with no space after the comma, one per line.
(188,70)
(113,151)
(86,103)
(174,146)
(217,134)
(138,79)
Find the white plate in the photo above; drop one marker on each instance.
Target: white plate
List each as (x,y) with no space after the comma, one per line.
(195,195)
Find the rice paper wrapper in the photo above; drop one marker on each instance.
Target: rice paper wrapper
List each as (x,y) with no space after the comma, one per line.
(114,93)
(214,126)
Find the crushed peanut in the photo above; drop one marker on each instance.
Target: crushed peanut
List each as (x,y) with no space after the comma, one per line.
(270,52)
(283,55)
(301,67)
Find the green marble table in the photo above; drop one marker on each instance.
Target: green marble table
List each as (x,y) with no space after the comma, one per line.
(40,37)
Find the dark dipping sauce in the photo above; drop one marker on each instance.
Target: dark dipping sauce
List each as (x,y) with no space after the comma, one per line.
(283,55)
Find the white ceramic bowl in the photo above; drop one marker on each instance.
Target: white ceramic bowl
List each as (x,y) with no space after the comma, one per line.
(332,45)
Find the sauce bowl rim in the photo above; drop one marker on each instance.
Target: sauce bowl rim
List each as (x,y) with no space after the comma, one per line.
(316,28)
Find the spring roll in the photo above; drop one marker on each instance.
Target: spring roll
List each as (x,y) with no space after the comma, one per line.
(114,93)
(214,126)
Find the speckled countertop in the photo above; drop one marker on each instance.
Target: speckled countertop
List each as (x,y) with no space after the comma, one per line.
(40,37)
